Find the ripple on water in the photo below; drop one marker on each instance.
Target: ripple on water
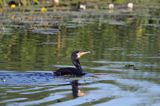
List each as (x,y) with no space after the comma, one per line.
(100,90)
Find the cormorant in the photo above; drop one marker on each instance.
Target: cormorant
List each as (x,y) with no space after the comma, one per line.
(77,71)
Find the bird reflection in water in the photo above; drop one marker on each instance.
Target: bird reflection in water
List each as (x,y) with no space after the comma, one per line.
(75,90)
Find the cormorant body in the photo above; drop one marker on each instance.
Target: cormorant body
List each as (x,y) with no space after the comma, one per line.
(77,71)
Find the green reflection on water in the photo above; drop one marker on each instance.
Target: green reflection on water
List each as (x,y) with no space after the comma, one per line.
(107,41)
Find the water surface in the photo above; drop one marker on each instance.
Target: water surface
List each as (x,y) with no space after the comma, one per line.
(124,61)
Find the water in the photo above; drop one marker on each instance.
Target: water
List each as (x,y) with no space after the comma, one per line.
(124,63)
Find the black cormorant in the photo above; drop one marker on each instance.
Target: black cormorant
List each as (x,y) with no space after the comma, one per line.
(77,71)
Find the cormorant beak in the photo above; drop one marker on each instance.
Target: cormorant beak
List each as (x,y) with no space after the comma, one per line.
(82,53)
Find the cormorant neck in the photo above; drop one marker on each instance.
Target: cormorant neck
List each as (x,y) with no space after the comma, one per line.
(77,64)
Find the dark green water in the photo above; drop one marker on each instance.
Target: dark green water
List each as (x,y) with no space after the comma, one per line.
(125,61)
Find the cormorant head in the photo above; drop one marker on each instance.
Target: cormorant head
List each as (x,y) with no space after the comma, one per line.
(77,54)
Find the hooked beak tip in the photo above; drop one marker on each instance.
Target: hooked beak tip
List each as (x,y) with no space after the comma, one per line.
(86,52)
